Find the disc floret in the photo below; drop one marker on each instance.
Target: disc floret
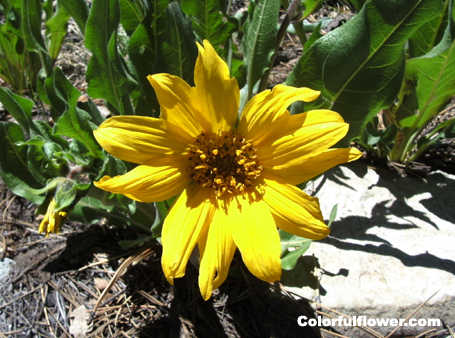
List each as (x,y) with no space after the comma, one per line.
(223,161)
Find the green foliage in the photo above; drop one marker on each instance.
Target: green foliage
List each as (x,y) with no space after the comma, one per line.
(259,42)
(15,170)
(107,75)
(211,22)
(433,84)
(178,48)
(359,67)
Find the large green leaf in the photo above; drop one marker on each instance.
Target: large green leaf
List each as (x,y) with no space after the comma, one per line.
(260,40)
(178,49)
(132,14)
(78,10)
(142,50)
(434,75)
(31,28)
(13,159)
(359,67)
(45,160)
(20,108)
(429,34)
(75,123)
(57,26)
(211,22)
(107,76)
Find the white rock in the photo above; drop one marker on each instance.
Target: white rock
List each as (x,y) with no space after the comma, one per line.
(392,246)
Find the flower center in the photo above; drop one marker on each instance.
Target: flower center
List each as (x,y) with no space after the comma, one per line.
(223,161)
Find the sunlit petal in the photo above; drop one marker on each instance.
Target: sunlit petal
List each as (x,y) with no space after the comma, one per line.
(294,211)
(156,180)
(174,96)
(265,116)
(191,214)
(216,94)
(216,254)
(255,234)
(298,145)
(316,165)
(137,139)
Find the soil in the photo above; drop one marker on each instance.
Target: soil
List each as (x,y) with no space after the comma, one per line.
(82,283)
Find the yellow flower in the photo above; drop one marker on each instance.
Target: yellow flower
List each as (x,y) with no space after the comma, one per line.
(52,220)
(236,185)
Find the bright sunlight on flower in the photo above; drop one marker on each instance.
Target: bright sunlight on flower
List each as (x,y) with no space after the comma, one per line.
(236,185)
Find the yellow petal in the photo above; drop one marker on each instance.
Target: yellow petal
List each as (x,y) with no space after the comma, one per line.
(216,254)
(174,96)
(255,234)
(137,139)
(312,117)
(216,94)
(295,212)
(156,180)
(316,165)
(191,214)
(298,145)
(265,116)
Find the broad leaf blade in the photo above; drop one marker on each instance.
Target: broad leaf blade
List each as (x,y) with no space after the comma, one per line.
(211,22)
(78,10)
(13,158)
(75,123)
(142,49)
(178,48)
(57,26)
(433,74)
(260,40)
(429,34)
(106,75)
(359,67)
(31,28)
(20,108)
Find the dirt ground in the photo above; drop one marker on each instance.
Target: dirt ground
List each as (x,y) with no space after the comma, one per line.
(56,283)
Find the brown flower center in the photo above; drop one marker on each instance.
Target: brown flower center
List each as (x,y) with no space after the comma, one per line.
(223,161)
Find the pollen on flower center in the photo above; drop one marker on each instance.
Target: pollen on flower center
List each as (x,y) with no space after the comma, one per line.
(223,161)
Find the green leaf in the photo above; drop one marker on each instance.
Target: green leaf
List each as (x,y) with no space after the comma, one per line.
(131,15)
(211,22)
(357,4)
(57,26)
(433,74)
(45,160)
(313,37)
(260,40)
(333,215)
(91,210)
(107,76)
(20,108)
(178,49)
(78,10)
(74,123)
(310,7)
(31,28)
(429,34)
(298,246)
(359,67)
(13,158)
(142,50)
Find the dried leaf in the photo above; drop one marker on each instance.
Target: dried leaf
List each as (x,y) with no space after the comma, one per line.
(79,324)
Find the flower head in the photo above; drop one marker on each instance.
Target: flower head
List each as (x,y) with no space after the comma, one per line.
(53,220)
(236,185)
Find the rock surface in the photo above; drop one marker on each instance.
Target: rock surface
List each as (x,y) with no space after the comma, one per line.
(391,248)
